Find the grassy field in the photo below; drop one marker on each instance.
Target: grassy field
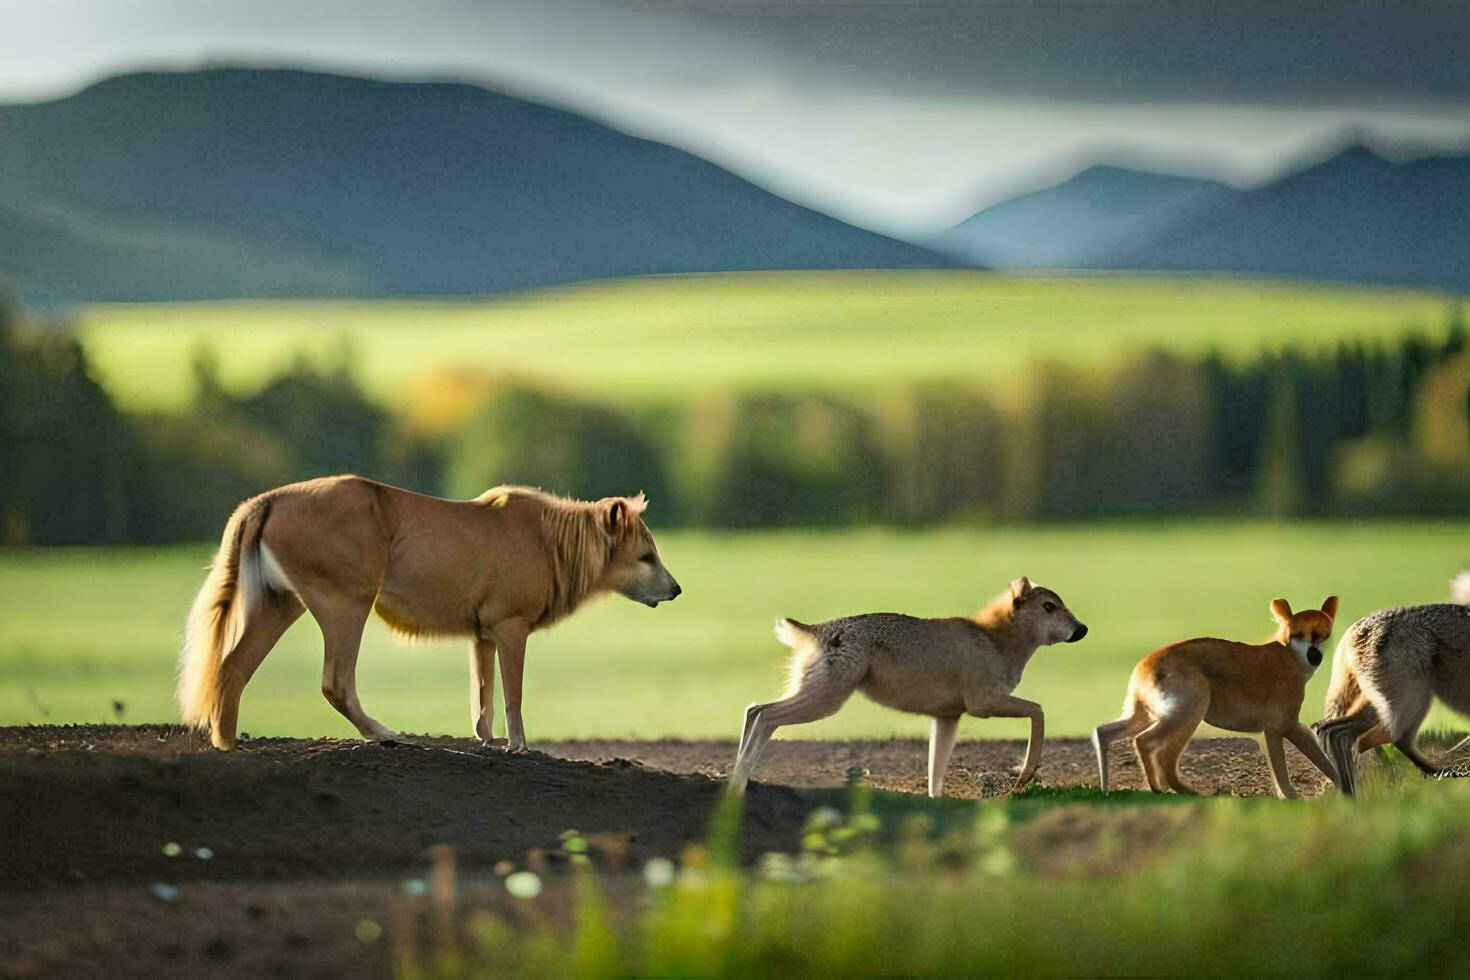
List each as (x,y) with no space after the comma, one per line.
(661,337)
(1064,888)
(82,628)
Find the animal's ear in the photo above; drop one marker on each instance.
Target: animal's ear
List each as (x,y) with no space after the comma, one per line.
(638,504)
(1330,607)
(617,515)
(1019,588)
(1281,609)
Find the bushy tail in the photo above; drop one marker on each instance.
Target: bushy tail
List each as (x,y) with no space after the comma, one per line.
(218,614)
(806,650)
(1460,588)
(792,633)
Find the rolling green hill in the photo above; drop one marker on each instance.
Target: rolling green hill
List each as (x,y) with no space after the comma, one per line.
(660,338)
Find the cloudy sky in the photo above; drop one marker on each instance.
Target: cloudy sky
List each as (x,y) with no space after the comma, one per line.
(905,117)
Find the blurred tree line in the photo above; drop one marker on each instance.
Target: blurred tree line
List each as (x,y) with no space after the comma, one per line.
(1358,429)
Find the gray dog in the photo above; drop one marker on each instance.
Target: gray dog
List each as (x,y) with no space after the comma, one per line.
(944,668)
(1389,666)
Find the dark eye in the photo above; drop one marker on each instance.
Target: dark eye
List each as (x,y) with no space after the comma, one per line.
(647,559)
(1050,607)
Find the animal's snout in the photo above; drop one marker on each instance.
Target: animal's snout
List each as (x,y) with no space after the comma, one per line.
(1078,633)
(675,592)
(1314,656)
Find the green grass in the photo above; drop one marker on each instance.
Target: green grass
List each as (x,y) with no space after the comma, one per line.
(663,337)
(80,628)
(1226,887)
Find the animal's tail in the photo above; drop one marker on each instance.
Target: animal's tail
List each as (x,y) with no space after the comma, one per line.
(792,633)
(216,619)
(1460,588)
(806,650)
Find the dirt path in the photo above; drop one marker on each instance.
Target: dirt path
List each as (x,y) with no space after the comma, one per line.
(1224,766)
(307,838)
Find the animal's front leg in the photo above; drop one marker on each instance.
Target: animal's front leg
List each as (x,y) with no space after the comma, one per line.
(1276,752)
(1013,707)
(941,743)
(482,691)
(510,642)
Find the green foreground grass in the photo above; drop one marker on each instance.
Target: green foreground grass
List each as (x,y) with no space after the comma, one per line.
(660,338)
(1329,887)
(80,629)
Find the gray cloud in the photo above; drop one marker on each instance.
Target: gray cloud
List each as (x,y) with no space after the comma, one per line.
(1101,50)
(904,117)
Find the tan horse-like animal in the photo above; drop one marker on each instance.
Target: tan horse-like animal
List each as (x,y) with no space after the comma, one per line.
(493,569)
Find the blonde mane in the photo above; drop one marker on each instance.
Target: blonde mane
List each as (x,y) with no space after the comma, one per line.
(578,545)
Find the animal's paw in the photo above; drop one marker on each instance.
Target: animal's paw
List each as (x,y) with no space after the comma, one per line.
(517,747)
(493,743)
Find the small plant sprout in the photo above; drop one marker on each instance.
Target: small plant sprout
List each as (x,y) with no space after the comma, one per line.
(172,849)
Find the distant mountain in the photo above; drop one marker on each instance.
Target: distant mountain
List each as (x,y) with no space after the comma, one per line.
(1356,217)
(244,183)
(1101,211)
(53,254)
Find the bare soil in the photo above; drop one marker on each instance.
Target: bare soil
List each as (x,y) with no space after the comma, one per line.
(307,838)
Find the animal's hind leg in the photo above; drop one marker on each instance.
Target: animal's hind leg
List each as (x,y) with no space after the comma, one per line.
(1167,758)
(1403,708)
(482,689)
(1187,707)
(822,692)
(342,634)
(1339,738)
(264,626)
(1144,748)
(1103,737)
(1409,746)
(747,727)
(941,744)
(1159,747)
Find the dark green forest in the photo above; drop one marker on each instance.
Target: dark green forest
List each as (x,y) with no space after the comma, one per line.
(1350,430)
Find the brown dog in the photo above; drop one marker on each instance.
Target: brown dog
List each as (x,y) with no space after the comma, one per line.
(494,569)
(1240,687)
